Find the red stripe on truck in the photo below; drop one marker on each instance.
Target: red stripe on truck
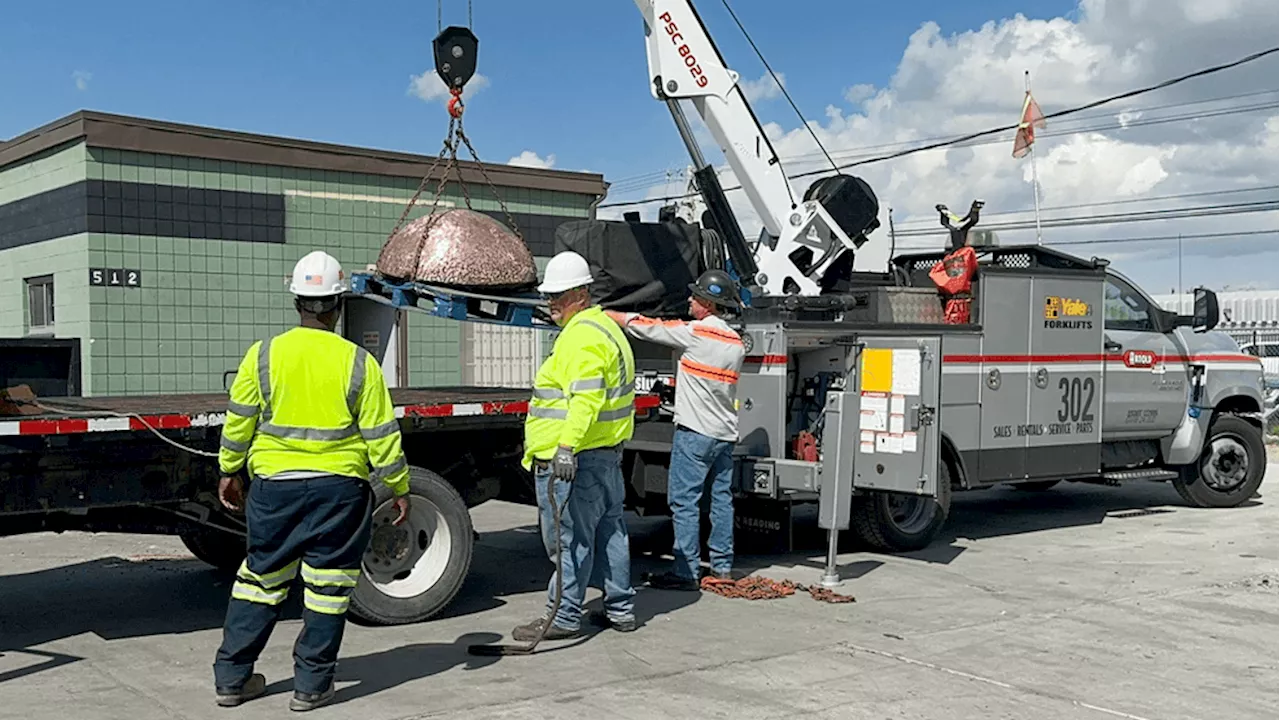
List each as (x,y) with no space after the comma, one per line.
(1093,357)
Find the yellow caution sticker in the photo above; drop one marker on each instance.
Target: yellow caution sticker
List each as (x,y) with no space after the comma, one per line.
(877,370)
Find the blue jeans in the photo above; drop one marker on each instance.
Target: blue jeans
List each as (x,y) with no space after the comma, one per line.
(694,456)
(314,528)
(593,535)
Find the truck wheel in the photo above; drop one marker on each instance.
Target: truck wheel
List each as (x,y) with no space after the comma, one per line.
(1230,468)
(413,571)
(223,550)
(897,522)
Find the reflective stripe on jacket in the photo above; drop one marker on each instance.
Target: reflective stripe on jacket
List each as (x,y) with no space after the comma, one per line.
(707,377)
(584,393)
(311,401)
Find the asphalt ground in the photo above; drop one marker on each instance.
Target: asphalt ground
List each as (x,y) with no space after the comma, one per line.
(1077,602)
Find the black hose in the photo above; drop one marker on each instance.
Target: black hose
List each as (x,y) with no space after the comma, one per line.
(499,650)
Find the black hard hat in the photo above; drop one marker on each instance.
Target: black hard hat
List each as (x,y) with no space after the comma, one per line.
(718,287)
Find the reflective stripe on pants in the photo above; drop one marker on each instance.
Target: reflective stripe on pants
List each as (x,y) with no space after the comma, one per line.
(282,517)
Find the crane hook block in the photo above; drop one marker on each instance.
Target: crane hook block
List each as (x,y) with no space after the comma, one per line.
(455,50)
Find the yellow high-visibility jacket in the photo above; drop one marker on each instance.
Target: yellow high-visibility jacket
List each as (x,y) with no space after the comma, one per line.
(311,401)
(584,393)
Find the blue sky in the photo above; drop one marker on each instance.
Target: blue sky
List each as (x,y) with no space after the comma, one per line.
(567,77)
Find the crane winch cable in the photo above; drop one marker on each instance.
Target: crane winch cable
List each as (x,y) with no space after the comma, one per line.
(785,94)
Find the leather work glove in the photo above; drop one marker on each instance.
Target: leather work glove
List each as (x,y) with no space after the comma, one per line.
(564,466)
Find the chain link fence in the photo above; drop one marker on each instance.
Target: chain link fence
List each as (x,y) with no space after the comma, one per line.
(1263,342)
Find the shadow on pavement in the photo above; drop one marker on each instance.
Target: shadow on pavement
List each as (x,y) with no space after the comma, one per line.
(387,669)
(999,511)
(117,598)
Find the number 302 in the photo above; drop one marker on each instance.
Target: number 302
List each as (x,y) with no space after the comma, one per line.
(1077,399)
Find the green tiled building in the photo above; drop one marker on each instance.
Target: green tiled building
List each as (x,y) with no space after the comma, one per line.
(165,248)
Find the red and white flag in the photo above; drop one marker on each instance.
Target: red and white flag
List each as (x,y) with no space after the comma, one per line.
(1032,118)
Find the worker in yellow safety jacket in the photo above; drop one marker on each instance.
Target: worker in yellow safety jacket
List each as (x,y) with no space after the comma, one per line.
(311,420)
(581,412)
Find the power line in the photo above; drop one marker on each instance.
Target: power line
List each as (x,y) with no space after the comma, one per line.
(1096,116)
(1126,201)
(1005,128)
(1143,238)
(1168,238)
(1115,218)
(854,153)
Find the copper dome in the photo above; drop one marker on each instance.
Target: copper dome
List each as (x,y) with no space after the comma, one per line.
(461,247)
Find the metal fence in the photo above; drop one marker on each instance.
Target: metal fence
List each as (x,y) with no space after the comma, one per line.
(1263,342)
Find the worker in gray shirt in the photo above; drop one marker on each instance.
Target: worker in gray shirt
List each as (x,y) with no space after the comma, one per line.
(706,417)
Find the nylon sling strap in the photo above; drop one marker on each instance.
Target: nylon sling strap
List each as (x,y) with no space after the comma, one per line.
(296,433)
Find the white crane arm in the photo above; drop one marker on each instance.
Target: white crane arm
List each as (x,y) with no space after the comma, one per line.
(684,63)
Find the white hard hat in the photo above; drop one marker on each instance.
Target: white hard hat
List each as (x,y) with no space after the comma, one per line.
(566,271)
(318,274)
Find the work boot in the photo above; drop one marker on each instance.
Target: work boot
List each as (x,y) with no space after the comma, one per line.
(252,688)
(720,576)
(670,581)
(303,702)
(602,620)
(529,631)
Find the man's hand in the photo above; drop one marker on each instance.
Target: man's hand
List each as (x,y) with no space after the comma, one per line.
(618,317)
(402,505)
(564,466)
(231,492)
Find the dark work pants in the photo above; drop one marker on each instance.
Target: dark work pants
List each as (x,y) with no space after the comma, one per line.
(317,528)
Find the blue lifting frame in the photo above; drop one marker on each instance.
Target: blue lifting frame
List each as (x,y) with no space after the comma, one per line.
(515,310)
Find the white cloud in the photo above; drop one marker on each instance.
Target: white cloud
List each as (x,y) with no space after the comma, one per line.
(1120,154)
(529,158)
(430,88)
(763,87)
(81,79)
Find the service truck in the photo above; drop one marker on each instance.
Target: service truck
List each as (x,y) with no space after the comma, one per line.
(856,395)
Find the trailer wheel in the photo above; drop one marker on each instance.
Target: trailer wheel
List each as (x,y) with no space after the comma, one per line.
(898,522)
(222,550)
(1230,468)
(413,571)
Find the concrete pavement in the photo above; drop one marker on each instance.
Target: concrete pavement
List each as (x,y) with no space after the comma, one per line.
(1078,602)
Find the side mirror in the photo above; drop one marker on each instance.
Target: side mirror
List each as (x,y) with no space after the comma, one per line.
(1205,315)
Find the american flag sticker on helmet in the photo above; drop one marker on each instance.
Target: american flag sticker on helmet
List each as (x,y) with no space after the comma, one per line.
(314,280)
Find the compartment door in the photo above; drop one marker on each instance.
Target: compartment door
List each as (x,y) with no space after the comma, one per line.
(897,391)
(1003,373)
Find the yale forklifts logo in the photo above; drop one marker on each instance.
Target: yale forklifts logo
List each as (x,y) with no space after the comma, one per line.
(1062,313)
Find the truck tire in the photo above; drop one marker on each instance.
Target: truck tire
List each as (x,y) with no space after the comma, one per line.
(222,550)
(1230,468)
(413,571)
(897,522)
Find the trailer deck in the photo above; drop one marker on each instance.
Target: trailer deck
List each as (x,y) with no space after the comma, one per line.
(176,412)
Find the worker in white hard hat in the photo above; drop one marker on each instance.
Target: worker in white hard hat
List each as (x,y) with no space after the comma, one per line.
(311,421)
(581,412)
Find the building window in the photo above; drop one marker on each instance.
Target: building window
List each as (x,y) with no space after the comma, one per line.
(40,304)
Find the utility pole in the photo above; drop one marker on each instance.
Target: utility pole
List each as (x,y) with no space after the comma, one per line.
(893,239)
(1179,270)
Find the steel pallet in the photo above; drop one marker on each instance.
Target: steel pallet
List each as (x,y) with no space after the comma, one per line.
(515,309)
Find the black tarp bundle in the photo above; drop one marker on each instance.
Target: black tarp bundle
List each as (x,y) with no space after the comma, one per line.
(637,267)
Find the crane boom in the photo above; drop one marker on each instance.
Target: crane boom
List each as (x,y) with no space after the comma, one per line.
(800,240)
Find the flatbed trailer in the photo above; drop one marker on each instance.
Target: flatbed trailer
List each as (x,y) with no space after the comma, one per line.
(110,464)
